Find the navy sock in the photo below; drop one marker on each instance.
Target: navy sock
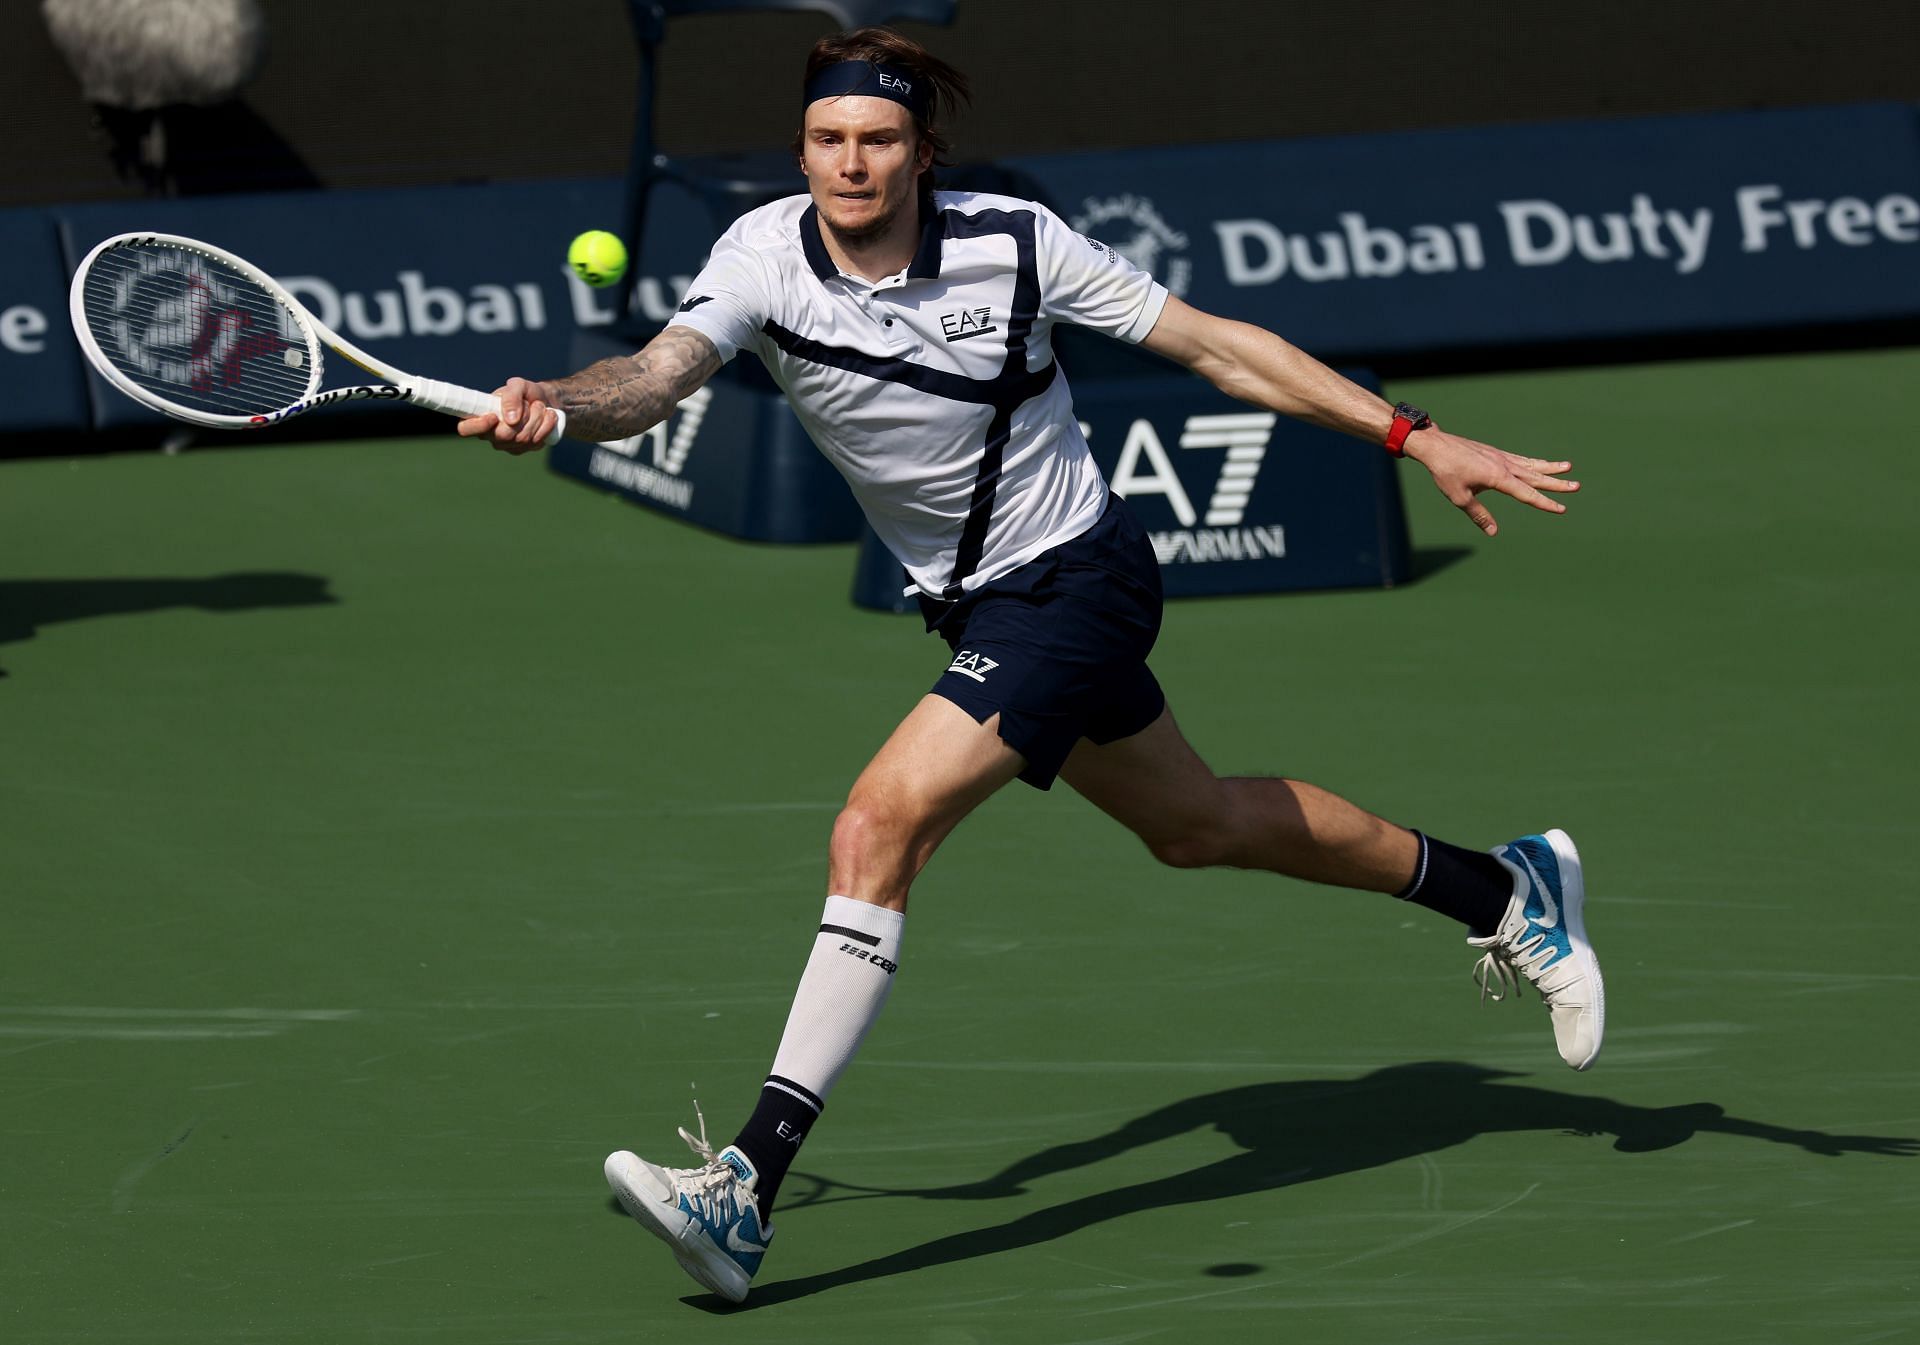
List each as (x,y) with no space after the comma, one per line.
(771,1137)
(1470,886)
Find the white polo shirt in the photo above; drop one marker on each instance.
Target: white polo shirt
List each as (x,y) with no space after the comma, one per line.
(934,391)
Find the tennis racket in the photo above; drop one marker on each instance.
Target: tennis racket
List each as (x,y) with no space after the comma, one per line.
(191,330)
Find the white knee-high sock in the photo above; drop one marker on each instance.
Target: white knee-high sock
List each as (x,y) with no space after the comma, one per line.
(841,992)
(847,979)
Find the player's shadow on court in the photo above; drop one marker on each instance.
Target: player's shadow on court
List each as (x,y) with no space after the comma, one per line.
(28,604)
(1290,1133)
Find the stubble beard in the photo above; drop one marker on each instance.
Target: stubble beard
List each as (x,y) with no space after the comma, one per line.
(874,230)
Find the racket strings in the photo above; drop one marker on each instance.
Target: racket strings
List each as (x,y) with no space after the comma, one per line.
(191,329)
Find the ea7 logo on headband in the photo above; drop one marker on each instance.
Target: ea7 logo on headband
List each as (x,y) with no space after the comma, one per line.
(967,322)
(898,85)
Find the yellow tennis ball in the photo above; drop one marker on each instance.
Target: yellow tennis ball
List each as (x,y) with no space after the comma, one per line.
(598,257)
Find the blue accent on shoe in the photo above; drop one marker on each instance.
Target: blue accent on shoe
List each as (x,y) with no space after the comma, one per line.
(730,1220)
(1544,907)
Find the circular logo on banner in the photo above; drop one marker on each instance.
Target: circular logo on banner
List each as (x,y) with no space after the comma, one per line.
(1147,241)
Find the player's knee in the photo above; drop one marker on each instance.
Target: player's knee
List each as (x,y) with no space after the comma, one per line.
(866,834)
(1194,848)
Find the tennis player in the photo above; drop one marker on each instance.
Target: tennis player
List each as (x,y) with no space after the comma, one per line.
(911,330)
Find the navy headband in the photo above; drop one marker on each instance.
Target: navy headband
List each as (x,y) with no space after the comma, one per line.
(871,79)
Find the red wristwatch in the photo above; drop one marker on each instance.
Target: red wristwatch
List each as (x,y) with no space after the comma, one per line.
(1406,419)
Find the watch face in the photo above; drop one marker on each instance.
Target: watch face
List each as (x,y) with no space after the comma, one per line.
(1413,413)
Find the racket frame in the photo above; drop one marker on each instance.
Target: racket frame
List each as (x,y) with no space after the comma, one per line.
(447,398)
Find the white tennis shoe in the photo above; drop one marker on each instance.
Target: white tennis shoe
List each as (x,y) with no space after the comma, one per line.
(709,1216)
(1543,939)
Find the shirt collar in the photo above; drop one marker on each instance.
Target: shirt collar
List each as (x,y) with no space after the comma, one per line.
(814,246)
(926,257)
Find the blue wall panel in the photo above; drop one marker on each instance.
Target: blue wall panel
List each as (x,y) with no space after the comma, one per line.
(40,365)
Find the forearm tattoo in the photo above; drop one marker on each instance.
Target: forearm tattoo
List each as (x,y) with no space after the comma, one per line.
(627,394)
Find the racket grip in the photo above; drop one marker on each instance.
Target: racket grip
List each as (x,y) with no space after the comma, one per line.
(450,399)
(453,400)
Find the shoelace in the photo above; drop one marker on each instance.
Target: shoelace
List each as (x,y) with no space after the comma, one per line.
(698,1144)
(1508,968)
(710,1182)
(1496,968)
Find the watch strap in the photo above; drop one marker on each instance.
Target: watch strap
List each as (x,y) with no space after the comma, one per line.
(1406,420)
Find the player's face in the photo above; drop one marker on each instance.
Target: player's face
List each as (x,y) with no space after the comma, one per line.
(862,158)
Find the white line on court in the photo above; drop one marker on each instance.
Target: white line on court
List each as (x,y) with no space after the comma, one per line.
(109,1011)
(1709,1232)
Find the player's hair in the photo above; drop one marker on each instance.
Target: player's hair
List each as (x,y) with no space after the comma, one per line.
(947,87)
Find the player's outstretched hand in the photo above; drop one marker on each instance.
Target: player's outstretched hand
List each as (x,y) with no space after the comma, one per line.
(524,421)
(1462,468)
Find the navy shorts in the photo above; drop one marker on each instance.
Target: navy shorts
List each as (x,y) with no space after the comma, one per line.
(1058,648)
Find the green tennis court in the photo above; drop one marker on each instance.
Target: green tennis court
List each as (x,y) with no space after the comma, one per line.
(392,829)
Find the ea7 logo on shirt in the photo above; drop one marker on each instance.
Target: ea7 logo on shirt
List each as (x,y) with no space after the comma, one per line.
(967,322)
(969,664)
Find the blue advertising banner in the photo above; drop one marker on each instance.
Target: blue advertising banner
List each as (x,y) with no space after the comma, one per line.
(1353,247)
(1239,500)
(39,362)
(1386,244)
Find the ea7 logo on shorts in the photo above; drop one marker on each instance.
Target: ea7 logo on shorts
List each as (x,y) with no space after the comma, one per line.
(967,322)
(969,664)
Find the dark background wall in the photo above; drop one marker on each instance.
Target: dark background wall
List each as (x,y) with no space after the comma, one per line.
(368,93)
